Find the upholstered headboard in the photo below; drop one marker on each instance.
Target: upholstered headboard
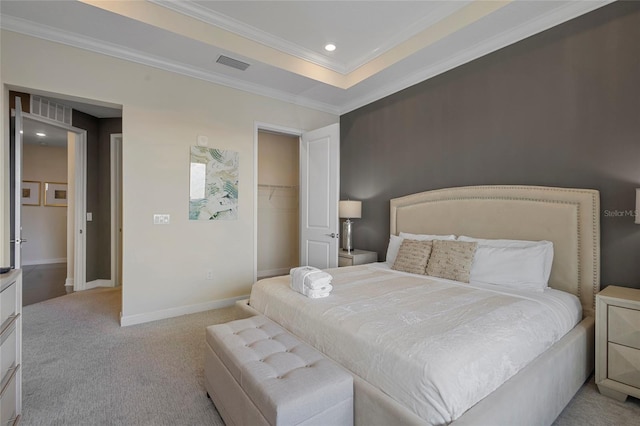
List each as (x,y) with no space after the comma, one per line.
(568,217)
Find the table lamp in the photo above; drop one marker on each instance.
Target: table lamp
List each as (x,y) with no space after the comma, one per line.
(348,210)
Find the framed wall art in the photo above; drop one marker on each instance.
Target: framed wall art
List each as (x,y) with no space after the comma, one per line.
(213,190)
(30,193)
(55,194)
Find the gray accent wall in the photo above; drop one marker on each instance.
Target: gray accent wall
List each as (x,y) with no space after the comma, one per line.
(98,231)
(90,124)
(106,127)
(561,108)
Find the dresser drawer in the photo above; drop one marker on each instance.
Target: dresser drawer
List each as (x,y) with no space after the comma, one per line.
(8,352)
(624,365)
(624,326)
(8,299)
(8,400)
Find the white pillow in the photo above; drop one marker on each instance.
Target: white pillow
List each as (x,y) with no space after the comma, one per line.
(516,263)
(426,237)
(392,251)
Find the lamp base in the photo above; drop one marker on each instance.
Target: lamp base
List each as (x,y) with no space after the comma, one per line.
(346,236)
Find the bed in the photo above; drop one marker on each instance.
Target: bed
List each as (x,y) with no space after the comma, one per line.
(356,326)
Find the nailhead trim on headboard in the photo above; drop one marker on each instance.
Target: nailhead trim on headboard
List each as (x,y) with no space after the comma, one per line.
(449,194)
(595,223)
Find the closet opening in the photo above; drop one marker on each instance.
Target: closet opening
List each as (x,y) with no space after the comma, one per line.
(278,211)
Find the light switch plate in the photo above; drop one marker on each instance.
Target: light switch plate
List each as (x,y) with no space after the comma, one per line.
(161,219)
(89,216)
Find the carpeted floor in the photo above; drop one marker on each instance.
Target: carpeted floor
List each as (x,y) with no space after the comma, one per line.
(589,408)
(82,368)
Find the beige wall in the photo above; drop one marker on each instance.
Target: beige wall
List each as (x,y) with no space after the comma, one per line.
(278,159)
(278,207)
(44,227)
(164,266)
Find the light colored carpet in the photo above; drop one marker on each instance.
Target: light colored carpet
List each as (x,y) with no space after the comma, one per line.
(82,368)
(590,408)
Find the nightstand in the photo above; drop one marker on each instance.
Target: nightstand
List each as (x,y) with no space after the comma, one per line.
(618,342)
(356,257)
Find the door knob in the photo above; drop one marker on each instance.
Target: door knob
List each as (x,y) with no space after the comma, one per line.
(332,235)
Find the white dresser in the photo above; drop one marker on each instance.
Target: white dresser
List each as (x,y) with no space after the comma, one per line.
(11,347)
(618,342)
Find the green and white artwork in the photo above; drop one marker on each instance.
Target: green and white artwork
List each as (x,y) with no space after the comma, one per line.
(213,193)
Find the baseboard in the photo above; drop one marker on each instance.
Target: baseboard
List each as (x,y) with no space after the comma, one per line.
(44,261)
(273,272)
(98,283)
(68,282)
(176,312)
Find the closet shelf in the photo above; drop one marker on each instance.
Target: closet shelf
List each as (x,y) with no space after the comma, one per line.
(274,187)
(263,185)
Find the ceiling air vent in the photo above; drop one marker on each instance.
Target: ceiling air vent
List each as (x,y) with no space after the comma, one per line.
(233,63)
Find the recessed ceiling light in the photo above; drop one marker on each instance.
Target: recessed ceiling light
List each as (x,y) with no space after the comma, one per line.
(41,134)
(330,47)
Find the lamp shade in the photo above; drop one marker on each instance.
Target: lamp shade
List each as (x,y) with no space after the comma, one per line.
(637,206)
(350,209)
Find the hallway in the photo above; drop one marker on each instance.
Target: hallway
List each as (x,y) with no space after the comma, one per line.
(43,282)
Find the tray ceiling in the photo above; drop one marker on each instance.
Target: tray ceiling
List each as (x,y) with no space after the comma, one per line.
(382,46)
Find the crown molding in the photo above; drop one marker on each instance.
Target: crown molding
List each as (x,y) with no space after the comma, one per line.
(446,9)
(534,26)
(227,23)
(29,28)
(543,22)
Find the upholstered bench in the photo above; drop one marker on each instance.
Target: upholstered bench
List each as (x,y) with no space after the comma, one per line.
(257,373)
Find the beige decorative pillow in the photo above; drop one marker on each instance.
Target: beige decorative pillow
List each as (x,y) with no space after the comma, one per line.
(412,256)
(451,260)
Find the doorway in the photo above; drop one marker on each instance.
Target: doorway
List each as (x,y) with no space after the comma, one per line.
(44,218)
(278,236)
(318,184)
(87,183)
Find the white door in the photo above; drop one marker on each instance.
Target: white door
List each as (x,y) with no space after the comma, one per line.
(319,193)
(17,175)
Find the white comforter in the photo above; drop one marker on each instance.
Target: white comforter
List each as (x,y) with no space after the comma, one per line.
(436,346)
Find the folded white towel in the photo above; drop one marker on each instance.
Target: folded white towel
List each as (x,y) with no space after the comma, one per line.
(317,279)
(309,280)
(298,275)
(317,294)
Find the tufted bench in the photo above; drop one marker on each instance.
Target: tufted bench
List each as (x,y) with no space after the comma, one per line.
(257,373)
